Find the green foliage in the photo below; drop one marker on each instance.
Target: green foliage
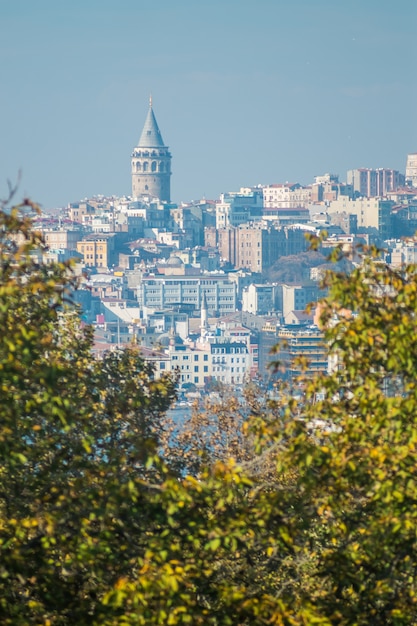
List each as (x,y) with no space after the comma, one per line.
(355,449)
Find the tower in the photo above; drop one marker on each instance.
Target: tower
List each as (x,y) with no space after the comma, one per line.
(151,162)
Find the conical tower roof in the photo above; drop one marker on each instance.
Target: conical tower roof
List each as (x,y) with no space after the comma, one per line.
(151,135)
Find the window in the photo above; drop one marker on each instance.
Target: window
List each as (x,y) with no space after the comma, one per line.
(206,357)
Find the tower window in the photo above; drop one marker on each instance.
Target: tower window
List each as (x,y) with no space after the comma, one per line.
(153,166)
(145,166)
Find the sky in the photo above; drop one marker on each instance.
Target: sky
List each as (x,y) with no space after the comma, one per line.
(245,92)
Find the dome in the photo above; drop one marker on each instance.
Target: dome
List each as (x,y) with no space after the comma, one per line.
(175,261)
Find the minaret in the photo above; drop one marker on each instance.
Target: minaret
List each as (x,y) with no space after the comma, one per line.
(151,162)
(204,317)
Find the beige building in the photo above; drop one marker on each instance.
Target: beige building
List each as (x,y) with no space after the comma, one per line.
(97,250)
(370,212)
(62,239)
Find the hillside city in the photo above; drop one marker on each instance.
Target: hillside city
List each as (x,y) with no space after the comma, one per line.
(208,287)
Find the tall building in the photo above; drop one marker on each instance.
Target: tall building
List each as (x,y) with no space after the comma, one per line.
(411,169)
(151,162)
(371,183)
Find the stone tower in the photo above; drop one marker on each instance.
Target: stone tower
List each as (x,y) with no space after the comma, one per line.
(151,162)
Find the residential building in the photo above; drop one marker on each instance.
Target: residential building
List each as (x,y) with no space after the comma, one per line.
(193,365)
(370,212)
(286,216)
(62,238)
(371,183)
(286,195)
(260,299)
(411,170)
(253,247)
(98,250)
(296,298)
(231,362)
(186,292)
(236,208)
(298,343)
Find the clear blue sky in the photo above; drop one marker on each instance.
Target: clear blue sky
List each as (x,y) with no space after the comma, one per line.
(244,91)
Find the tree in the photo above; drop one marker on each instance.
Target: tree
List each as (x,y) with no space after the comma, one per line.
(72,431)
(354,450)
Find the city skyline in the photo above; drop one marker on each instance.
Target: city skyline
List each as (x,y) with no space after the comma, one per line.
(244,94)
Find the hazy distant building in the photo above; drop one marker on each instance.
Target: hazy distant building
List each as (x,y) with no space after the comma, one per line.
(259,299)
(286,195)
(236,208)
(98,250)
(151,162)
(161,292)
(370,213)
(304,342)
(327,188)
(371,183)
(253,247)
(296,298)
(62,238)
(411,170)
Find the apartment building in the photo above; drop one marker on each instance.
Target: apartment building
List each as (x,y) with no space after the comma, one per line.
(371,183)
(307,343)
(286,195)
(296,298)
(236,208)
(260,299)
(98,250)
(370,213)
(163,292)
(253,247)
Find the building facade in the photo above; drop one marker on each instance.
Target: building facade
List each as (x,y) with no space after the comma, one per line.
(164,292)
(370,213)
(371,183)
(411,170)
(98,250)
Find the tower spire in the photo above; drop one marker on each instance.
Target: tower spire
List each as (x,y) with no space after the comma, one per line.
(151,162)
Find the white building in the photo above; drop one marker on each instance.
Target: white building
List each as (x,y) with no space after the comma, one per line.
(286,195)
(296,298)
(411,170)
(259,299)
(162,292)
(230,362)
